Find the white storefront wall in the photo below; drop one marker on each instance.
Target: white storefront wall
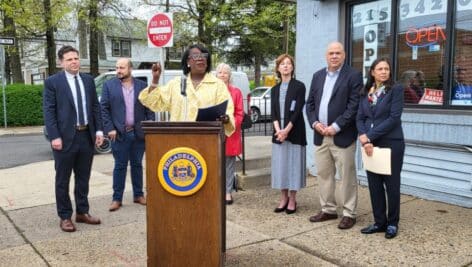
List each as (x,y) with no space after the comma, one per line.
(317,26)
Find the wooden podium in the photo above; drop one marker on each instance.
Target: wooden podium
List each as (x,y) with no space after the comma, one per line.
(185,230)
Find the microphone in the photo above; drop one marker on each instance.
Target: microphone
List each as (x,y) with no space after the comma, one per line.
(183,85)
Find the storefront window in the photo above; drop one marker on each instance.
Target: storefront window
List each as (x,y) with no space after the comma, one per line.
(424,55)
(370,33)
(421,44)
(461,93)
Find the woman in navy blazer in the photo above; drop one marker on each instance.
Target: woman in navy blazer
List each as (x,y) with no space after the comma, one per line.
(289,138)
(379,124)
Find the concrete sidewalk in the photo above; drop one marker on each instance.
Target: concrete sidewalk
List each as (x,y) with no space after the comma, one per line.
(431,233)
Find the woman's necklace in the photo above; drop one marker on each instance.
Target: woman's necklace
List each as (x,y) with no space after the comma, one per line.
(196,81)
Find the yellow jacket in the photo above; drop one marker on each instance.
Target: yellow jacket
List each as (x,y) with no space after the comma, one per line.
(211,91)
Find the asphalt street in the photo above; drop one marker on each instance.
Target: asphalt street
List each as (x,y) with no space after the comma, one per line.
(18,150)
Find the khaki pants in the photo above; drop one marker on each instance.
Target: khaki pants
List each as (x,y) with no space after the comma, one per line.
(328,156)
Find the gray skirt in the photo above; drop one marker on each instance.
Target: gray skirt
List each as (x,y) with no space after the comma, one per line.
(288,166)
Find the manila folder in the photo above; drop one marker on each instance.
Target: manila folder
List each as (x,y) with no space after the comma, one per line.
(379,162)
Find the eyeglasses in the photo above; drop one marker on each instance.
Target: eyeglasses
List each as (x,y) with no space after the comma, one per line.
(198,56)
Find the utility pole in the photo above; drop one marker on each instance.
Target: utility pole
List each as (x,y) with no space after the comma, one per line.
(286,25)
(166,64)
(286,34)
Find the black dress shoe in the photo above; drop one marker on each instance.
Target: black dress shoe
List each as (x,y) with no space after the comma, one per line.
(229,202)
(277,210)
(391,232)
(372,229)
(289,211)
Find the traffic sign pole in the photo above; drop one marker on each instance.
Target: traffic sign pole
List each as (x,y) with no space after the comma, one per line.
(161,116)
(4,41)
(163,59)
(3,88)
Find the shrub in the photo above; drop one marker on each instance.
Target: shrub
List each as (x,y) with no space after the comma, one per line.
(24,105)
(252,85)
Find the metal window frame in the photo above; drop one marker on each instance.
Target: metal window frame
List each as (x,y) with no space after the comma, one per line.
(449,50)
(115,42)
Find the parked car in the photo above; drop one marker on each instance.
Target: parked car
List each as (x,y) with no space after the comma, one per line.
(260,103)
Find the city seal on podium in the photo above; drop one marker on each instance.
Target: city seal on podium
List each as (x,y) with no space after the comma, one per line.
(182,171)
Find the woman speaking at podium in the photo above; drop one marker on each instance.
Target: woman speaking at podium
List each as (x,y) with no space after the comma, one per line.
(197,88)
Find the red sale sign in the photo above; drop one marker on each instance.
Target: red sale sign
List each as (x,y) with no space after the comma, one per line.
(160,30)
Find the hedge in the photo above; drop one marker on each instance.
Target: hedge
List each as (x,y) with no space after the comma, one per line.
(252,85)
(24,105)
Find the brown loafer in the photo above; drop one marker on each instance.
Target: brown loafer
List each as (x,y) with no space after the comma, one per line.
(86,218)
(67,225)
(321,217)
(115,205)
(346,223)
(140,200)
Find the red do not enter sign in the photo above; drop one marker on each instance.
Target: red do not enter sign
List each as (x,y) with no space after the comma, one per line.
(160,30)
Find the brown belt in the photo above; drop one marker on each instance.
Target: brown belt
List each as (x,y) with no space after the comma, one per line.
(81,128)
(129,128)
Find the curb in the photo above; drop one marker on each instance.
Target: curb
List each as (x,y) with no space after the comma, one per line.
(21,131)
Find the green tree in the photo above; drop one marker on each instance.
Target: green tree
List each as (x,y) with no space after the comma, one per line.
(241,32)
(32,20)
(95,16)
(12,55)
(258,33)
(50,40)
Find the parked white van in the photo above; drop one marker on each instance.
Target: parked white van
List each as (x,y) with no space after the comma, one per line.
(238,79)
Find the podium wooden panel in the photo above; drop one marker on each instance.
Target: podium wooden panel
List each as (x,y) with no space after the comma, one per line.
(186,230)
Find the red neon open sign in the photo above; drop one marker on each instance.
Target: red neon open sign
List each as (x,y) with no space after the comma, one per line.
(425,36)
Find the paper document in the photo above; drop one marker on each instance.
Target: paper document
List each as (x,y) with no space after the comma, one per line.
(379,162)
(213,112)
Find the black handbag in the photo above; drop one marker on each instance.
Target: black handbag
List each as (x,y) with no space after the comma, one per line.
(247,122)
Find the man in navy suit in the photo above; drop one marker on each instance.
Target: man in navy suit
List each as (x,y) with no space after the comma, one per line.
(122,114)
(331,110)
(73,123)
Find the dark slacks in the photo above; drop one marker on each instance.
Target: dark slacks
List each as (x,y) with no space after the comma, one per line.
(78,159)
(385,189)
(127,148)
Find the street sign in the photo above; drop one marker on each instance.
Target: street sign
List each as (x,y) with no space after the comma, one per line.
(7,41)
(160,30)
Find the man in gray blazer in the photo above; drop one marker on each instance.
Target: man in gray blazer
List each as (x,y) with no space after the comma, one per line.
(331,109)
